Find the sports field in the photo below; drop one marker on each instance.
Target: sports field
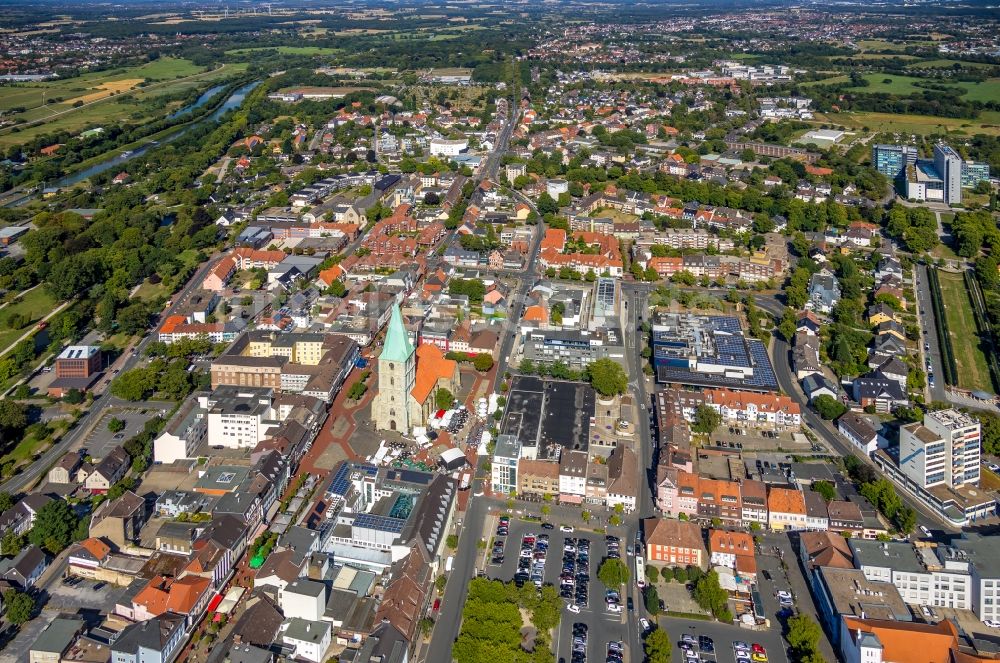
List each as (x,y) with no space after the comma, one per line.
(973,371)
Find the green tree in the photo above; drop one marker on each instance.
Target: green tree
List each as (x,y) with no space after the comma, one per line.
(443,398)
(11,544)
(803,639)
(706,419)
(116,425)
(337,289)
(826,489)
(680,574)
(6,501)
(708,593)
(658,647)
(652,599)
(134,385)
(828,407)
(652,573)
(54,526)
(13,417)
(483,362)
(547,204)
(613,573)
(20,606)
(607,377)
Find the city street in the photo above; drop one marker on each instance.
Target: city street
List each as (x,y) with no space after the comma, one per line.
(31,473)
(780,358)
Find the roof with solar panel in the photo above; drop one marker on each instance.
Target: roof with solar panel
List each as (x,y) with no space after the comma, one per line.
(709,351)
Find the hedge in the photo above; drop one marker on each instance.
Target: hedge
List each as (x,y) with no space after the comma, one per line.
(941,326)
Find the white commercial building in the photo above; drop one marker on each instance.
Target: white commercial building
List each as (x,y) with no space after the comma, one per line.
(238,417)
(442,147)
(182,435)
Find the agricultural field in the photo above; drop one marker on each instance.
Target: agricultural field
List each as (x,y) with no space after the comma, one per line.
(988,122)
(973,371)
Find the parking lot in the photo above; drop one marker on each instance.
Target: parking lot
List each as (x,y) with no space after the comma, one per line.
(100,441)
(75,593)
(723,637)
(753,439)
(602,625)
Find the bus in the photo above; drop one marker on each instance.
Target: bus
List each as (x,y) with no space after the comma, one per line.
(640,572)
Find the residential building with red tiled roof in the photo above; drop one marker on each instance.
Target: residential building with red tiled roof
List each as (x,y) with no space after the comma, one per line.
(786,508)
(219,275)
(329,275)
(734,550)
(555,238)
(894,641)
(673,542)
(188,595)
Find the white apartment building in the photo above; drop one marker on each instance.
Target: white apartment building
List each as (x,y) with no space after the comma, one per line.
(303,599)
(182,435)
(310,638)
(572,476)
(504,467)
(943,450)
(238,417)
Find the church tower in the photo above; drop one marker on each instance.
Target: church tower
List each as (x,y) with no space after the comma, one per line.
(397,367)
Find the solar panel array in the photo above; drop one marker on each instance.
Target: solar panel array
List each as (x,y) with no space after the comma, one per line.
(341,481)
(380,523)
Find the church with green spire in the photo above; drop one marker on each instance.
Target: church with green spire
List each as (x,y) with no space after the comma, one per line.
(408,379)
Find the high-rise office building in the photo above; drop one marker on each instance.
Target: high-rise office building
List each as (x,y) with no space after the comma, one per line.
(948,164)
(943,450)
(892,160)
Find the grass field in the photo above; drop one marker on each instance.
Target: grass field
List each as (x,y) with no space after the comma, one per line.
(943,64)
(985,91)
(988,122)
(988,90)
(31,95)
(287,50)
(973,371)
(144,101)
(901,85)
(879,45)
(35,305)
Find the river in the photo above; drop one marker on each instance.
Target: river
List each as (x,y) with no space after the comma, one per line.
(201,101)
(234,101)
